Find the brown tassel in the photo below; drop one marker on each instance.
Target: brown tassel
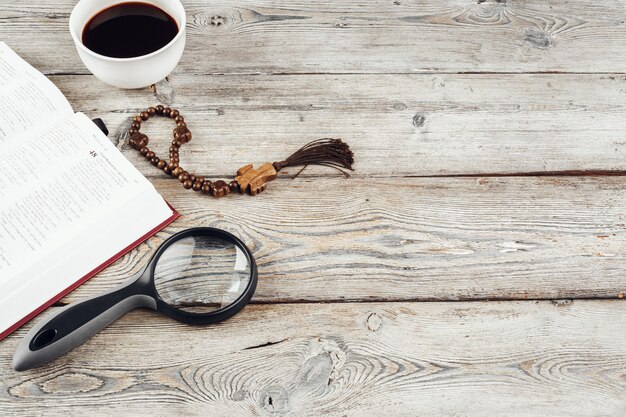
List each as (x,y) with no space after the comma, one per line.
(329,152)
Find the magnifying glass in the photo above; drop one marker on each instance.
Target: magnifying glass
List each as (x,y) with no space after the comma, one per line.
(201,275)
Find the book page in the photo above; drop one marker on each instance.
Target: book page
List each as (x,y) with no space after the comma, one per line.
(69,201)
(57,184)
(29,102)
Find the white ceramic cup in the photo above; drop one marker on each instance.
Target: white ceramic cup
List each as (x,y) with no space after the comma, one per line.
(135,72)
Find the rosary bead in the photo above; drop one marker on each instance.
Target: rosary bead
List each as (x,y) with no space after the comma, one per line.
(220,188)
(166,111)
(149,155)
(145,115)
(175,159)
(187,184)
(199,178)
(234,186)
(159,109)
(137,119)
(155,160)
(135,125)
(132,131)
(143,151)
(151,111)
(206,187)
(167,170)
(161,164)
(181,124)
(179,119)
(176,143)
(187,136)
(192,177)
(197,185)
(179,132)
(172,165)
(174,113)
(177,171)
(138,141)
(183,176)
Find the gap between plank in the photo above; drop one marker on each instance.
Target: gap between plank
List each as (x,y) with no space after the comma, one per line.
(428,72)
(564,173)
(422,300)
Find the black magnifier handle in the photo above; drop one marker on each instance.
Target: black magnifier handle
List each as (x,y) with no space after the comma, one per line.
(77,322)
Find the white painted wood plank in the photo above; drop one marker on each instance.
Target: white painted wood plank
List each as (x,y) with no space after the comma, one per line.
(401,359)
(398,125)
(414,239)
(278,36)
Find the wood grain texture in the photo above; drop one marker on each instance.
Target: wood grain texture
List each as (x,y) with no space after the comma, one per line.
(418,89)
(398,125)
(350,36)
(401,359)
(414,238)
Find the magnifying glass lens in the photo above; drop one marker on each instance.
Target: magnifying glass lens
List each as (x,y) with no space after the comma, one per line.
(201,274)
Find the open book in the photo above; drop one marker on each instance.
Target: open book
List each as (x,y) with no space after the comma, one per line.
(70,203)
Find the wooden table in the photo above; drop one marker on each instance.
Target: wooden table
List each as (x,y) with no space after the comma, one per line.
(473,265)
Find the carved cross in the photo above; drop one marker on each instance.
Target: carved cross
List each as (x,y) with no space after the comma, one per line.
(253,181)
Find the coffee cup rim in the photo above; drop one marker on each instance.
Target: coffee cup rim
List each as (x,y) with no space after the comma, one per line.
(79,42)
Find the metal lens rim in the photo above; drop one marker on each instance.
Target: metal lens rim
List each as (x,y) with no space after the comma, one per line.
(213,316)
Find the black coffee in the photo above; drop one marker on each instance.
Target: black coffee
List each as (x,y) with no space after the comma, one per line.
(130,29)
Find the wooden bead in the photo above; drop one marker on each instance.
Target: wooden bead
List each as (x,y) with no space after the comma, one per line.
(234,186)
(132,131)
(166,111)
(135,125)
(159,109)
(143,151)
(137,119)
(176,143)
(192,177)
(151,111)
(167,170)
(177,171)
(197,185)
(161,164)
(138,141)
(179,132)
(155,160)
(145,115)
(199,178)
(206,187)
(174,113)
(172,165)
(220,188)
(187,136)
(183,177)
(179,119)
(149,155)
(181,124)
(187,184)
